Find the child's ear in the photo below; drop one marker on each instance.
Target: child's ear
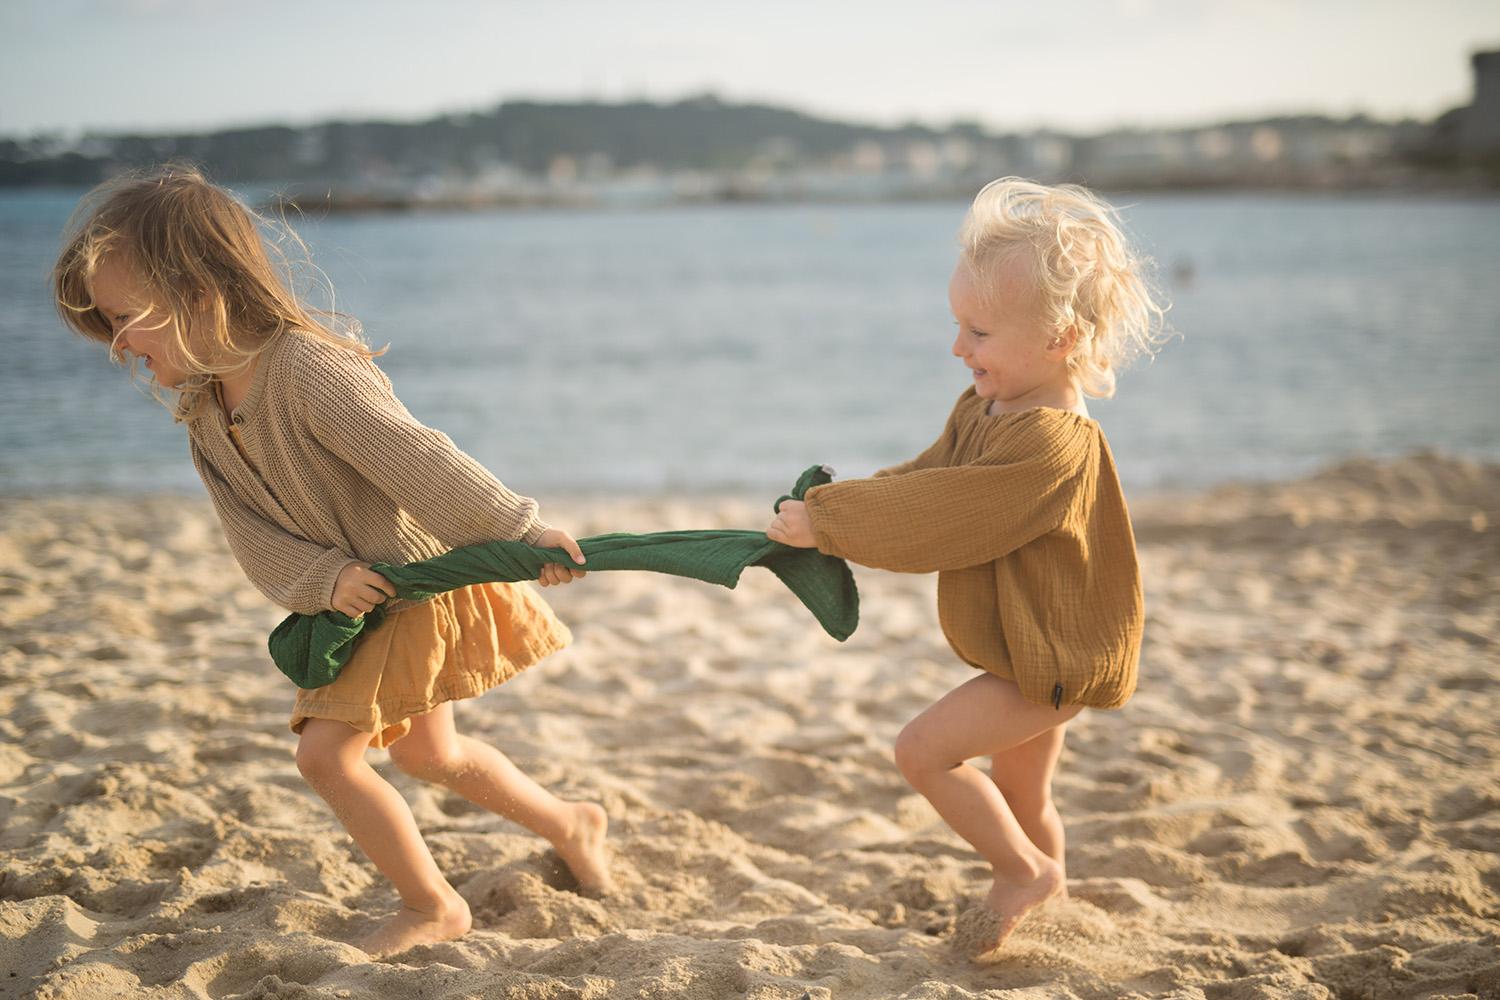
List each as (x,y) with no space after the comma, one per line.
(1062,342)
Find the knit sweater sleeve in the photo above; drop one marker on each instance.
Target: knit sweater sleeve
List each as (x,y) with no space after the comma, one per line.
(293,572)
(352,410)
(1022,487)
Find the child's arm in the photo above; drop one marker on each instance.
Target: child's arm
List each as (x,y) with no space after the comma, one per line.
(352,411)
(939,519)
(295,573)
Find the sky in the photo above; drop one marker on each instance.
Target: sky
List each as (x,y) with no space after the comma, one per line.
(1075,65)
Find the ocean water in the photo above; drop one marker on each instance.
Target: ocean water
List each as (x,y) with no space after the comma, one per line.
(727,348)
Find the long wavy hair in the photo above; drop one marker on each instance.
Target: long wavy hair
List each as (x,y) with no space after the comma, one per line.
(216,274)
(1088,276)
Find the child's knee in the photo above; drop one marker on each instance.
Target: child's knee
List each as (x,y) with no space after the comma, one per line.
(913,752)
(1026,799)
(319,765)
(422,759)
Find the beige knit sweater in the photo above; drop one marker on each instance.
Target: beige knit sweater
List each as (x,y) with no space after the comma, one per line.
(1022,516)
(339,471)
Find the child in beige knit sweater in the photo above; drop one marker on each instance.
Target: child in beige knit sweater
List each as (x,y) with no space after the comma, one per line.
(316,470)
(1018,508)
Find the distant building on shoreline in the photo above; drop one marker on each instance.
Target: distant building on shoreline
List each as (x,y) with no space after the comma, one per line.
(1466,140)
(1479,124)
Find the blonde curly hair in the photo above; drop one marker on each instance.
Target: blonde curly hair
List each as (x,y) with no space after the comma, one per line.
(1088,277)
(201,258)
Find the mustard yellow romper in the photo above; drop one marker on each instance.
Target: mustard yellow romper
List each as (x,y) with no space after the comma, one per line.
(457,645)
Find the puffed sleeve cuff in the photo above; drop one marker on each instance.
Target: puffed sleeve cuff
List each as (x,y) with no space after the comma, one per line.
(822,534)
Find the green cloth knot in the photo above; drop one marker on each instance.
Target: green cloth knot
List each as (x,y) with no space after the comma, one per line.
(312,649)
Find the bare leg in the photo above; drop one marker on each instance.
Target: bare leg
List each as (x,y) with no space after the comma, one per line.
(330,756)
(435,751)
(1024,776)
(984,716)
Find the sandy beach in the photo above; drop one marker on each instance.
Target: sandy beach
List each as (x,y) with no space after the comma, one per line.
(1301,800)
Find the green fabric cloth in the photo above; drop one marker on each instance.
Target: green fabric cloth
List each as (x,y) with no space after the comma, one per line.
(312,649)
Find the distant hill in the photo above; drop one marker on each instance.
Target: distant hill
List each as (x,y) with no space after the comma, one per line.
(701,133)
(702,148)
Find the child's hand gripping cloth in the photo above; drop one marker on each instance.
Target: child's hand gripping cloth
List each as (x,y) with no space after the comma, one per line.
(312,649)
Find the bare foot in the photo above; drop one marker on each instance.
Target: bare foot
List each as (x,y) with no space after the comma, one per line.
(983,929)
(409,928)
(584,851)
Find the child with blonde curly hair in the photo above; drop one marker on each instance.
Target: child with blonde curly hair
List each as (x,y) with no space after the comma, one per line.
(316,470)
(1018,508)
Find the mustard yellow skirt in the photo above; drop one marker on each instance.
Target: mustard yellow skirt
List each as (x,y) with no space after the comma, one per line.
(457,645)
